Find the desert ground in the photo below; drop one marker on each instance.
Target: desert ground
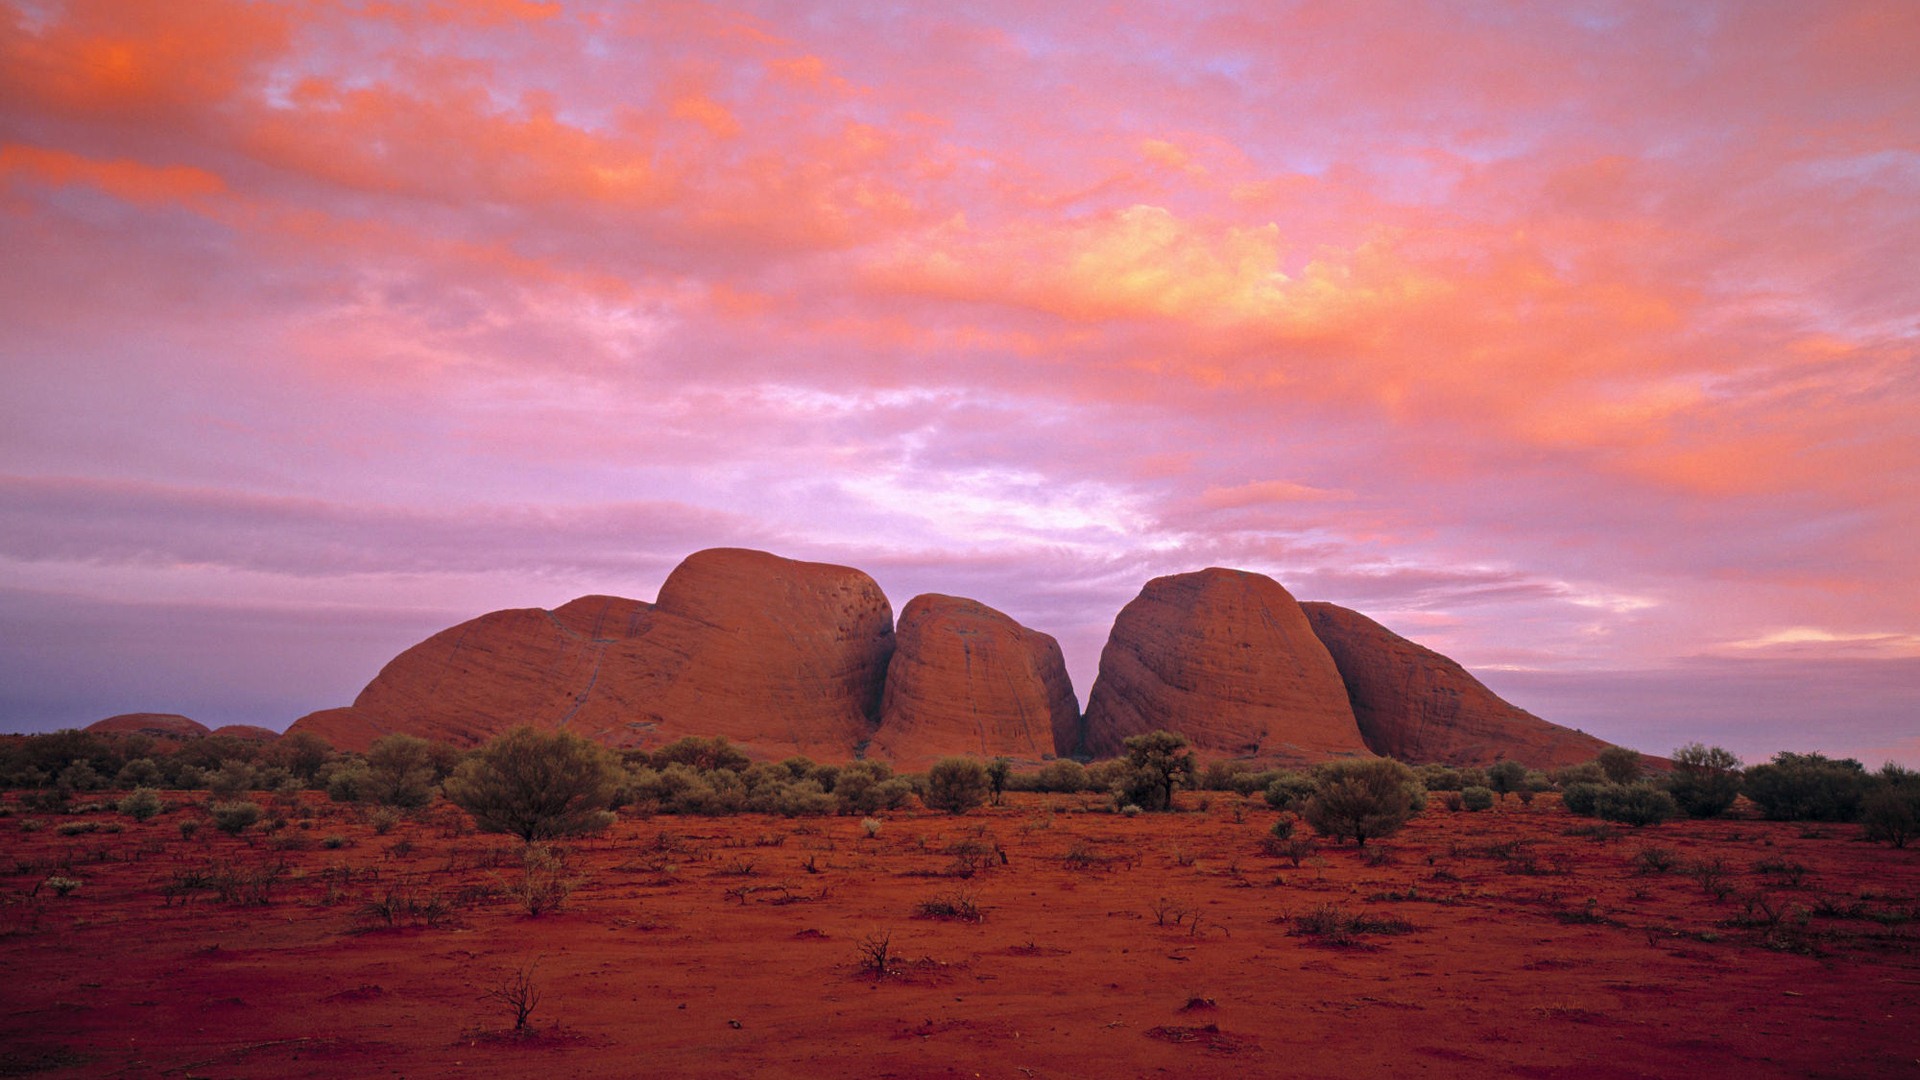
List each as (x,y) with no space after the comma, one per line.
(1522,941)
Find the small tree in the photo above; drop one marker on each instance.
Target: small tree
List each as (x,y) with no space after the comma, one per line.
(400,772)
(537,786)
(957,785)
(1364,799)
(1891,812)
(1807,787)
(1505,777)
(1705,780)
(997,772)
(1290,790)
(1621,765)
(1637,805)
(141,804)
(1159,762)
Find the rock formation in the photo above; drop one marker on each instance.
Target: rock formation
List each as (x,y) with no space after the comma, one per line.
(1226,658)
(1416,705)
(782,657)
(249,732)
(966,679)
(158,725)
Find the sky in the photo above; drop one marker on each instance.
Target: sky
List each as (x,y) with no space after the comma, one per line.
(1576,341)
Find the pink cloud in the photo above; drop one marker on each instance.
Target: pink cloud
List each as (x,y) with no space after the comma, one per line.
(1574,339)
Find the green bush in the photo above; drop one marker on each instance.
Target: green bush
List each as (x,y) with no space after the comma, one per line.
(537,786)
(703,755)
(1579,797)
(233,818)
(1158,763)
(1363,799)
(400,772)
(141,804)
(868,787)
(1807,787)
(1476,798)
(139,773)
(1621,765)
(1290,790)
(1891,813)
(1637,805)
(1506,777)
(1065,776)
(1705,780)
(1584,773)
(957,785)
(231,780)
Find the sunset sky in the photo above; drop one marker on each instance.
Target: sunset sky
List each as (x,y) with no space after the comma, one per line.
(1578,341)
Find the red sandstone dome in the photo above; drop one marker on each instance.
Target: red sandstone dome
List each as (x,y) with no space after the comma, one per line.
(158,725)
(967,680)
(1416,705)
(781,656)
(249,732)
(1226,658)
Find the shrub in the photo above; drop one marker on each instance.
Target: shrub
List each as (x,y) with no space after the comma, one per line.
(956,785)
(233,818)
(1505,777)
(1158,763)
(141,804)
(703,755)
(1065,776)
(537,786)
(400,771)
(1654,860)
(1476,798)
(345,781)
(1363,799)
(1637,805)
(959,905)
(868,787)
(544,884)
(1290,791)
(1579,797)
(231,780)
(1807,787)
(1705,780)
(1892,813)
(1621,765)
(1332,925)
(1584,773)
(139,773)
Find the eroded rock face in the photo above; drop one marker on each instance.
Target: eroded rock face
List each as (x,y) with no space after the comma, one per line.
(967,680)
(782,657)
(158,725)
(1226,658)
(1416,705)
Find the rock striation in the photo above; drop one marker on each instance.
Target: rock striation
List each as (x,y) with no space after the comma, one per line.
(1416,705)
(1226,658)
(967,680)
(157,725)
(782,657)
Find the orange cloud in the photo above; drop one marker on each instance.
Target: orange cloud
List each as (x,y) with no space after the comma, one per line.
(137,56)
(132,181)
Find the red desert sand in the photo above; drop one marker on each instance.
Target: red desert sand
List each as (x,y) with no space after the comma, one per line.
(1517,942)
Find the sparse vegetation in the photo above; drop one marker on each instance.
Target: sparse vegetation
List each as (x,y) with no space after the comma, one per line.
(537,786)
(1705,780)
(957,785)
(233,818)
(519,993)
(1363,800)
